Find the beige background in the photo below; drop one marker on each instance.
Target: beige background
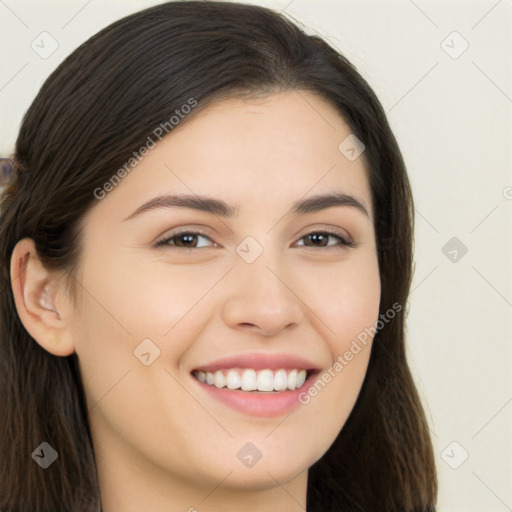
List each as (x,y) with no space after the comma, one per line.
(452,116)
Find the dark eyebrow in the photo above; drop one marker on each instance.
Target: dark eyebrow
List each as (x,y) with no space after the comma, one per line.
(221,208)
(195,202)
(323,201)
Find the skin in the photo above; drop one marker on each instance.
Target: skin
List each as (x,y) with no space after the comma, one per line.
(161,442)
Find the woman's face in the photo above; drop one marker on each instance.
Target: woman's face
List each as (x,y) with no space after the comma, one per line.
(259,288)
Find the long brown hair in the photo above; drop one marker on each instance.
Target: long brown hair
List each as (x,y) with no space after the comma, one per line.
(91,114)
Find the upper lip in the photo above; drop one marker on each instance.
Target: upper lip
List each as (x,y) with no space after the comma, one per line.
(259,362)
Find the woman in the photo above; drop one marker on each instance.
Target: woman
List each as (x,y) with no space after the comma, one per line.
(206,256)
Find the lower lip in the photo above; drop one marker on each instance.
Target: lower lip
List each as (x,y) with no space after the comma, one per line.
(254,403)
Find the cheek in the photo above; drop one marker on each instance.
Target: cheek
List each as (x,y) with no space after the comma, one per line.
(127,305)
(137,300)
(346,304)
(344,297)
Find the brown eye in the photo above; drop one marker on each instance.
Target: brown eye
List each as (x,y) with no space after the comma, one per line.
(318,239)
(321,239)
(183,240)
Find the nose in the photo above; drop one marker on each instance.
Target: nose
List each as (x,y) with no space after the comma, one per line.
(262,299)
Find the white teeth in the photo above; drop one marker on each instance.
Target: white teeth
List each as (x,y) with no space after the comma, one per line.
(233,380)
(249,382)
(252,380)
(265,380)
(280,380)
(301,378)
(219,381)
(292,380)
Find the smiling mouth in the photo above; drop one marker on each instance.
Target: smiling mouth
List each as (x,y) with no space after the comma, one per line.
(251,380)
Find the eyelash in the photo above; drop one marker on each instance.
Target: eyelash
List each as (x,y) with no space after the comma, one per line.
(344,242)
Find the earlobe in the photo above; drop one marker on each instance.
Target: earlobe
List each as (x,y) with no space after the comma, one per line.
(35,292)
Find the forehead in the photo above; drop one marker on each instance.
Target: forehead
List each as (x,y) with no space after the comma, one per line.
(267,152)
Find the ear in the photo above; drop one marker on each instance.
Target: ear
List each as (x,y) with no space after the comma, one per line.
(40,300)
